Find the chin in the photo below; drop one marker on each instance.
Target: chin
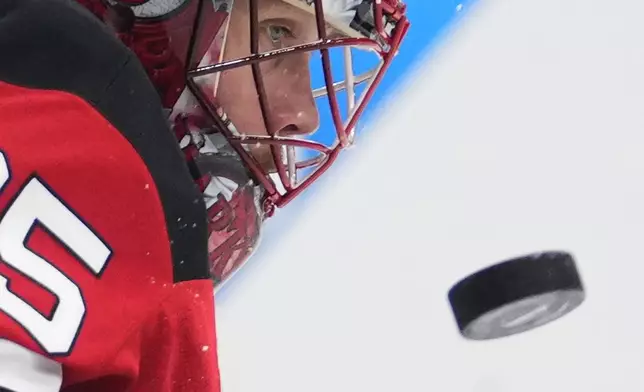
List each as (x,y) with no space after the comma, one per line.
(264,157)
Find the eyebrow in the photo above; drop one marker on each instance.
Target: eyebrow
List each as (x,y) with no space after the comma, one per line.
(284,7)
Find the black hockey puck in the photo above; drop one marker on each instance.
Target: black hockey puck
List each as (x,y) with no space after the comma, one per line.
(516,295)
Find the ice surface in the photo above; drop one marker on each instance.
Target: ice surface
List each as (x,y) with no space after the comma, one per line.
(522,132)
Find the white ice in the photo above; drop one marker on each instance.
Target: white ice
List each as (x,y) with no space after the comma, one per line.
(523,131)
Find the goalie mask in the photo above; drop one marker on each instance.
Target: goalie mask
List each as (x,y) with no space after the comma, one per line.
(262,94)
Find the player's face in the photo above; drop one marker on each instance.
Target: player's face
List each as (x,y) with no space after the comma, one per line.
(291,108)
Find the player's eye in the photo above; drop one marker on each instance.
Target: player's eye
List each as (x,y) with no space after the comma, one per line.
(277,33)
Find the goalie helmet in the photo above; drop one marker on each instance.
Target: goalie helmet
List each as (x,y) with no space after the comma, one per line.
(262,94)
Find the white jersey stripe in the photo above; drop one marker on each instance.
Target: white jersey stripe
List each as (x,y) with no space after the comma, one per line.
(22,370)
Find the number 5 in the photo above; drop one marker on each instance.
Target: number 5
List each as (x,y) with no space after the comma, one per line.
(36,204)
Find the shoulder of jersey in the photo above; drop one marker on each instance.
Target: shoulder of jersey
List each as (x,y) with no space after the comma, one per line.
(57,45)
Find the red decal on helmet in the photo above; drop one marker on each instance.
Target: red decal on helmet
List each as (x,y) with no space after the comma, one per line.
(234,232)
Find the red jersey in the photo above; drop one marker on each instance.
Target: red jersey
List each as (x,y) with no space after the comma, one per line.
(104,275)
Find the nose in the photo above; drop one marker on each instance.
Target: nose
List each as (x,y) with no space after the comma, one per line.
(293,110)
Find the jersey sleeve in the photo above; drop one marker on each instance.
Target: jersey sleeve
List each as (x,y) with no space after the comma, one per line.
(103,258)
(86,264)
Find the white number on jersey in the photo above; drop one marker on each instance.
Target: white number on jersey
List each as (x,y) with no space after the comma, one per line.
(36,204)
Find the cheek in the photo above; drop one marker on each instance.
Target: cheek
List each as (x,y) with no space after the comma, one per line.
(237,95)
